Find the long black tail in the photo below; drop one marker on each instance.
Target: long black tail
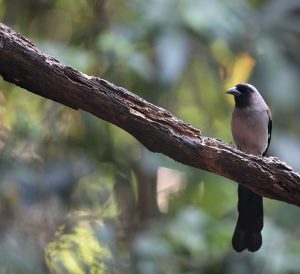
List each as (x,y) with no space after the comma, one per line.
(247,234)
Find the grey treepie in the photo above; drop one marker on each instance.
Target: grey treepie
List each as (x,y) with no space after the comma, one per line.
(251,127)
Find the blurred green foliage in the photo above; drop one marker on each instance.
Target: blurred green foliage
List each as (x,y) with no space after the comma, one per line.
(79,195)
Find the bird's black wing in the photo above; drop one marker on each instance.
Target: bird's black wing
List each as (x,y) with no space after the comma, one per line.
(269,131)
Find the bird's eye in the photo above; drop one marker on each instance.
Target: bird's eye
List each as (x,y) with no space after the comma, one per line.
(244,89)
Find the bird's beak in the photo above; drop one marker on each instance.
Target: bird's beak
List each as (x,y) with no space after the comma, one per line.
(233,91)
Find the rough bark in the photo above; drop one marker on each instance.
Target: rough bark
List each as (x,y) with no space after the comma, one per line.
(157,129)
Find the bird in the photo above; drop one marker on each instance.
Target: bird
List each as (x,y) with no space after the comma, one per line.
(251,127)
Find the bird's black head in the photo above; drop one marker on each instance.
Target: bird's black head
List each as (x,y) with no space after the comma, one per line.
(242,94)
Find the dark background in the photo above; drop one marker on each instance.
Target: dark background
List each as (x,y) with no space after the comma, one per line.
(78,195)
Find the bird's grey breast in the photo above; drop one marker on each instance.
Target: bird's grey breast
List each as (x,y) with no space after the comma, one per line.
(250,129)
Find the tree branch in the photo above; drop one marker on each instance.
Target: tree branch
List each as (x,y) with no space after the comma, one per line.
(157,129)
